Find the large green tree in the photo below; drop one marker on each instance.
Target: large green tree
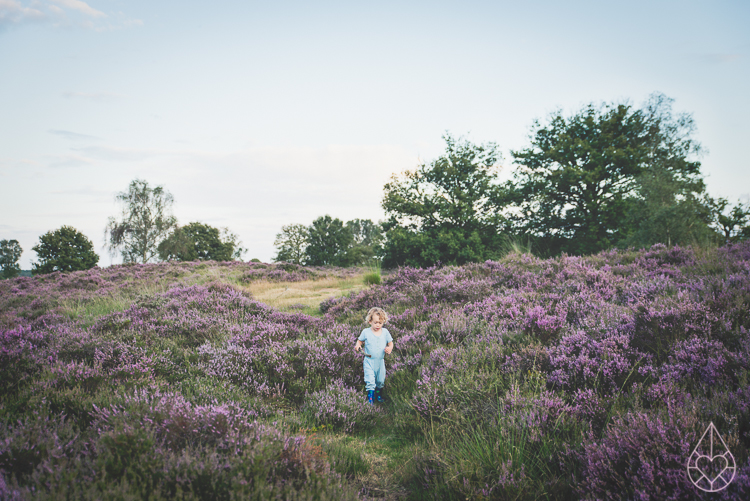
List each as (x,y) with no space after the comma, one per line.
(670,204)
(200,242)
(575,183)
(447,211)
(146,219)
(291,243)
(328,242)
(611,175)
(64,249)
(10,253)
(366,239)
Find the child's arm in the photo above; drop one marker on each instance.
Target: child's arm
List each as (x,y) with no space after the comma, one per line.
(389,348)
(358,345)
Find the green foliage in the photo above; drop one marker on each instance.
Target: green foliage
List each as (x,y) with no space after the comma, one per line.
(372,278)
(667,212)
(328,242)
(577,179)
(146,220)
(65,249)
(366,237)
(10,253)
(346,459)
(670,205)
(200,242)
(448,211)
(733,226)
(291,244)
(611,175)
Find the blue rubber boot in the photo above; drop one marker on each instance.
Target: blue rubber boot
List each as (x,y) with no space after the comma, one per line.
(379,395)
(370,396)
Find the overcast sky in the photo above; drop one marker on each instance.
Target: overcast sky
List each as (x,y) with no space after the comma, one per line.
(259,114)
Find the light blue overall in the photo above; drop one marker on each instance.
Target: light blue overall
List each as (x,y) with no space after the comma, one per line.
(374,365)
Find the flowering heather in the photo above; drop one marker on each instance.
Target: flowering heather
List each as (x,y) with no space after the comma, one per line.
(581,377)
(342,408)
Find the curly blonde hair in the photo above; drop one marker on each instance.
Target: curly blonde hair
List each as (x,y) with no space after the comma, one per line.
(380,312)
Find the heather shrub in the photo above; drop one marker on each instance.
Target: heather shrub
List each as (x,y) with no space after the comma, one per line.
(342,408)
(604,364)
(33,440)
(644,456)
(328,303)
(512,379)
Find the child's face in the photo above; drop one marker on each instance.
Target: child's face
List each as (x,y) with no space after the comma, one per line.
(376,323)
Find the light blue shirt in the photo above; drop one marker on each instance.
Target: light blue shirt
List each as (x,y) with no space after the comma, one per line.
(375,345)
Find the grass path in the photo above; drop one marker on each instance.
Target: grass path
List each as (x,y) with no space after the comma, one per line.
(303,296)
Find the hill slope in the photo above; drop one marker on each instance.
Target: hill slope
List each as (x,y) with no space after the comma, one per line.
(564,378)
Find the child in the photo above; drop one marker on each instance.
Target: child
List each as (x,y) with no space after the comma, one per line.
(378,342)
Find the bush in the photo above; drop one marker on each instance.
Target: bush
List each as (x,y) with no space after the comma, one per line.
(66,249)
(341,407)
(372,278)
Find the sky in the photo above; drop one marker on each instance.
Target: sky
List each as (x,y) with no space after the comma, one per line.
(254,115)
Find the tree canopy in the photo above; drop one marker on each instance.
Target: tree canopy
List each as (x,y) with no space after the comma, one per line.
(146,219)
(291,243)
(200,242)
(575,182)
(328,242)
(64,249)
(447,211)
(10,253)
(610,175)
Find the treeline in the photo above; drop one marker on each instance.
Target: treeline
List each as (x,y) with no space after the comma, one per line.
(329,242)
(610,175)
(145,231)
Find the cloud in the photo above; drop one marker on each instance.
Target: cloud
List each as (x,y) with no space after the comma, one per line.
(12,12)
(62,13)
(117,154)
(720,58)
(74,135)
(93,96)
(85,191)
(71,160)
(80,6)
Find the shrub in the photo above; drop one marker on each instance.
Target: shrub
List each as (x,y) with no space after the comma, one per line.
(372,278)
(341,407)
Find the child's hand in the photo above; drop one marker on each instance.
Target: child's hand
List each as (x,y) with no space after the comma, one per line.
(356,347)
(388,350)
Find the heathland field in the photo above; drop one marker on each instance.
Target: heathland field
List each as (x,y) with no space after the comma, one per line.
(567,378)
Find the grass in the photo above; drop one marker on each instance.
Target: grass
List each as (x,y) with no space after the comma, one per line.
(303,296)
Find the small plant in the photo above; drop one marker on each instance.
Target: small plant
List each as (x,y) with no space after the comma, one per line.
(372,277)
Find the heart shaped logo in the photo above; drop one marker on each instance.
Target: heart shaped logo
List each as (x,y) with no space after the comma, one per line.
(711,466)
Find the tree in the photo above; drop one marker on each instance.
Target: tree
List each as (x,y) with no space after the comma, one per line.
(667,211)
(670,206)
(146,220)
(291,243)
(576,181)
(10,253)
(200,242)
(447,211)
(733,226)
(65,249)
(328,242)
(366,237)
